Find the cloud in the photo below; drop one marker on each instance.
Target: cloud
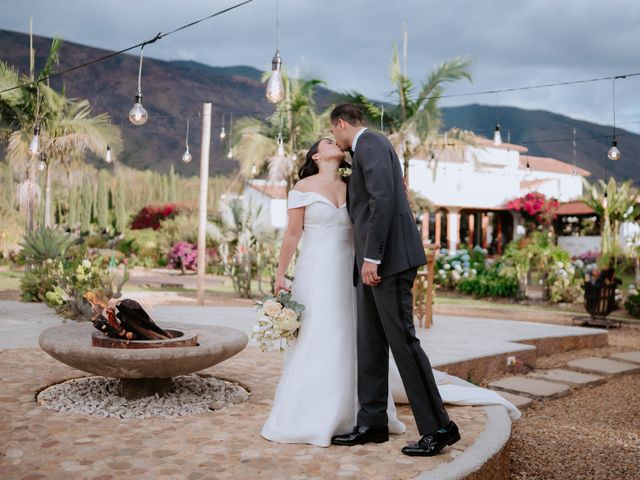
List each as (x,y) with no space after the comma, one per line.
(348,43)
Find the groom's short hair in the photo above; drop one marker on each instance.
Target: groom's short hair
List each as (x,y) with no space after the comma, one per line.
(349,113)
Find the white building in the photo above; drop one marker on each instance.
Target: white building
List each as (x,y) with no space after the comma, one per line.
(469,190)
(272,197)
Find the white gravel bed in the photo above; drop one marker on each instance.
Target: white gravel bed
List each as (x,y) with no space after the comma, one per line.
(192,395)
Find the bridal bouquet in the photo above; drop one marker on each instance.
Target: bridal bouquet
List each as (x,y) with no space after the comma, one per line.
(278,321)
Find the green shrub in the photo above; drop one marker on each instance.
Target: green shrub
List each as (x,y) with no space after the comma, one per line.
(182,227)
(632,305)
(565,283)
(64,284)
(144,243)
(489,284)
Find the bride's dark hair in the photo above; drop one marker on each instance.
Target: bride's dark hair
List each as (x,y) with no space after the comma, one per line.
(310,167)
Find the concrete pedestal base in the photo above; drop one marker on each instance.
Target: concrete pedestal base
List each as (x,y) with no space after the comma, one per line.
(135,388)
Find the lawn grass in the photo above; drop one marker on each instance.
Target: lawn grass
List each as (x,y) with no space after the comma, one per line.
(10,279)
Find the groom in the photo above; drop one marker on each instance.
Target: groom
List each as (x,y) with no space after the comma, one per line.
(388,252)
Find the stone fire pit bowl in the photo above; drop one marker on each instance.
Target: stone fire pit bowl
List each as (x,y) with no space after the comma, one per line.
(147,371)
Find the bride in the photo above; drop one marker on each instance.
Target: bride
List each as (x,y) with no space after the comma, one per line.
(316,397)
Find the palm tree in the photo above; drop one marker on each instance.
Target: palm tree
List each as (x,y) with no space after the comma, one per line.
(413,121)
(67,128)
(294,122)
(614,203)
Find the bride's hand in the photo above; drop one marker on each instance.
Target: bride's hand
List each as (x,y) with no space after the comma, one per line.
(281,284)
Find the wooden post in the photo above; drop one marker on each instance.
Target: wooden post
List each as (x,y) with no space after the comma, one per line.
(431,268)
(423,289)
(204,185)
(425,226)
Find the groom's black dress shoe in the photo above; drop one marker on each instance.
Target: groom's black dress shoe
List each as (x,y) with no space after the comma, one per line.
(431,443)
(361,435)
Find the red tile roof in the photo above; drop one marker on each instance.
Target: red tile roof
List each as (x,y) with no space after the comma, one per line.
(486,142)
(575,208)
(546,164)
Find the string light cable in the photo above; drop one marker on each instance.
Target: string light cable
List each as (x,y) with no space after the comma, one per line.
(159,36)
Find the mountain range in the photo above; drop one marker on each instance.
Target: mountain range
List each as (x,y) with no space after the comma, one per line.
(176,89)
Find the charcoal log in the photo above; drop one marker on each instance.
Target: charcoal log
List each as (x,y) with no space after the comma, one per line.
(133,318)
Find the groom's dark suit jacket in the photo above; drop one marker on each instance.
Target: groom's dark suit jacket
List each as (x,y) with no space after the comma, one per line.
(384,226)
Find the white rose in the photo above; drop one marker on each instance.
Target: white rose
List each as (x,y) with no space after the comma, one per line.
(287,325)
(272,308)
(289,314)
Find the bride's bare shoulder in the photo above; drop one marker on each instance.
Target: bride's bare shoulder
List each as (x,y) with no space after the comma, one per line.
(304,185)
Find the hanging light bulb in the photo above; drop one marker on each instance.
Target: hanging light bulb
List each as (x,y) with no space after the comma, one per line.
(222,133)
(497,137)
(230,154)
(34,146)
(280,147)
(605,201)
(294,156)
(573,168)
(42,165)
(107,156)
(186,156)
(614,154)
(275,86)
(138,115)
(254,170)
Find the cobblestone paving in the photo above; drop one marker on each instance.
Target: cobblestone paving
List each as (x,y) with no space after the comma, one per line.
(39,443)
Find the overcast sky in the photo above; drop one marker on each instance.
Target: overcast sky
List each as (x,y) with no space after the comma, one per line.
(348,43)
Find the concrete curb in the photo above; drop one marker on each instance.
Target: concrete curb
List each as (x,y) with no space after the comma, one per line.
(491,441)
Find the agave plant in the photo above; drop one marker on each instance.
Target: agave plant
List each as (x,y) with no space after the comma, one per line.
(240,229)
(614,203)
(45,243)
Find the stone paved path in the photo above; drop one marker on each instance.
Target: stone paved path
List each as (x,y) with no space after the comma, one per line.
(39,443)
(550,384)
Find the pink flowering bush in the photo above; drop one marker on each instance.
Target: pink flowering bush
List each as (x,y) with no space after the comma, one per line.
(536,209)
(184,255)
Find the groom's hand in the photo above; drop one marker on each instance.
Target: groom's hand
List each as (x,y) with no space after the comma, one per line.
(370,274)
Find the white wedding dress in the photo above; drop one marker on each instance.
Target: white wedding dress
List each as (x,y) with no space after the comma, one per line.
(316,396)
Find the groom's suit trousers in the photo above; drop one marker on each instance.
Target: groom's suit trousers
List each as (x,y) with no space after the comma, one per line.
(385,320)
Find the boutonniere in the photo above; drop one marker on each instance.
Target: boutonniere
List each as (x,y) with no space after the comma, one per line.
(344,172)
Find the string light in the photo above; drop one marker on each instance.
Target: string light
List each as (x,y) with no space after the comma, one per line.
(107,156)
(280,146)
(254,170)
(159,36)
(573,168)
(275,86)
(34,146)
(43,164)
(614,154)
(497,137)
(138,115)
(186,156)
(230,153)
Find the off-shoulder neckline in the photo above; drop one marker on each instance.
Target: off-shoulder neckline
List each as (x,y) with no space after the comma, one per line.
(323,197)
